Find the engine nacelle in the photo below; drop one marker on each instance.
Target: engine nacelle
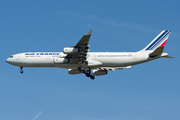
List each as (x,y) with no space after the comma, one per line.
(70,50)
(99,72)
(61,60)
(74,71)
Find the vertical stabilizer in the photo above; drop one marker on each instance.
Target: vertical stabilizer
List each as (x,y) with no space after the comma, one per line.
(158,41)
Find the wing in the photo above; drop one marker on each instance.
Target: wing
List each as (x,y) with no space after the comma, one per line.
(103,70)
(114,68)
(84,41)
(82,47)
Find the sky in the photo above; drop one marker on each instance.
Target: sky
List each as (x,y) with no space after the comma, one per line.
(149,91)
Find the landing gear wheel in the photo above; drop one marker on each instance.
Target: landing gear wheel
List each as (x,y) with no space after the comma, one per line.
(80,69)
(92,77)
(21,71)
(87,74)
(84,71)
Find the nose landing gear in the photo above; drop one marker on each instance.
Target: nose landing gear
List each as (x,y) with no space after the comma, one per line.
(21,71)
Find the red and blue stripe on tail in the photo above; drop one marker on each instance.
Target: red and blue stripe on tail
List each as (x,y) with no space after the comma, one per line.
(159,41)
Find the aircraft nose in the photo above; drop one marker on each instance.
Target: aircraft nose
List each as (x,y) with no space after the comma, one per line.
(7,60)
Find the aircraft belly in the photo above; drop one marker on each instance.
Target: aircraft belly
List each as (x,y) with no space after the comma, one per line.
(67,66)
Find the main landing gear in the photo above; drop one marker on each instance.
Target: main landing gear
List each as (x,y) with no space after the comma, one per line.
(87,72)
(21,71)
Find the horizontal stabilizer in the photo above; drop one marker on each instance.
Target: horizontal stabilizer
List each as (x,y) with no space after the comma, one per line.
(165,55)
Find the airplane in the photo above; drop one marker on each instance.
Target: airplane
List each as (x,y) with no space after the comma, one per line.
(77,59)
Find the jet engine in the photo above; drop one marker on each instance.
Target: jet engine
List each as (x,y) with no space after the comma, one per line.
(74,71)
(99,72)
(61,60)
(70,50)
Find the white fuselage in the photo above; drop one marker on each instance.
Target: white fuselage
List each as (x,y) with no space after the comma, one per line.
(78,60)
(95,59)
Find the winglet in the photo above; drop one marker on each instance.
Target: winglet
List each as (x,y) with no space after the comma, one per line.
(89,33)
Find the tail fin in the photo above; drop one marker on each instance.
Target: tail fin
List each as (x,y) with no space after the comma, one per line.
(158,41)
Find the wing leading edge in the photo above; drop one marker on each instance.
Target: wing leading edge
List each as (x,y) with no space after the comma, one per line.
(83,47)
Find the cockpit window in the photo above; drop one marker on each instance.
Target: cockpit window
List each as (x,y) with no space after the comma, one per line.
(11,56)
